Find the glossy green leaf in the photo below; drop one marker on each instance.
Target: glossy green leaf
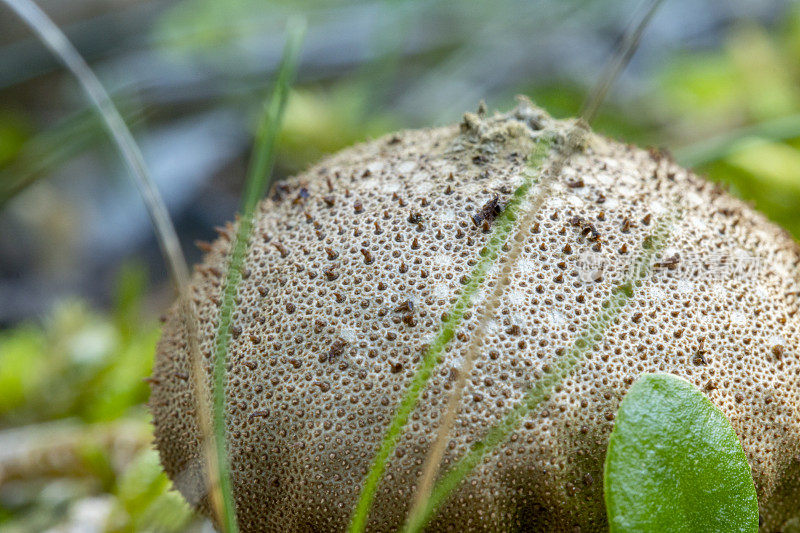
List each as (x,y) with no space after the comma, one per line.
(675,464)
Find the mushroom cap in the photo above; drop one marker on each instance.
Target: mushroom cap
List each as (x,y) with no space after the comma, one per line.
(352,267)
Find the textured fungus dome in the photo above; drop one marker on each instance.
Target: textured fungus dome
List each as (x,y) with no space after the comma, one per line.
(353,266)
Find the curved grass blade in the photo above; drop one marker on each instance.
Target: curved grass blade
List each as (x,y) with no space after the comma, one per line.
(259,177)
(489,254)
(585,341)
(614,67)
(57,42)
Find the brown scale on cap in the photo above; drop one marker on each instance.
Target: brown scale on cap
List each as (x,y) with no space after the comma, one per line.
(305,420)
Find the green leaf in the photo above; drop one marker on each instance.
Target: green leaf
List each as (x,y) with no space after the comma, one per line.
(674,463)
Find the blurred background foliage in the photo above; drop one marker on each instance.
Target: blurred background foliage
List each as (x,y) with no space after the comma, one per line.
(81,281)
(74,451)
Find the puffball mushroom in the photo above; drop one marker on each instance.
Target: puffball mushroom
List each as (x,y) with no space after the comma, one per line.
(354,264)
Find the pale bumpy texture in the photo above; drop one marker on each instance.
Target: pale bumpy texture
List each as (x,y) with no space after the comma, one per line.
(353,266)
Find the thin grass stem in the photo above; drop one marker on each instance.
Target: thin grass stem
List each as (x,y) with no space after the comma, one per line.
(259,178)
(487,311)
(57,42)
(167,238)
(489,254)
(614,67)
(218,484)
(591,334)
(620,59)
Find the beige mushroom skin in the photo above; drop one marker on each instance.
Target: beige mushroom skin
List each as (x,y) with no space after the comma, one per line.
(353,264)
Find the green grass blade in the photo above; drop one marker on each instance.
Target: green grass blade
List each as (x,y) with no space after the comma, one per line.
(258,179)
(485,313)
(57,42)
(620,59)
(613,68)
(489,254)
(585,341)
